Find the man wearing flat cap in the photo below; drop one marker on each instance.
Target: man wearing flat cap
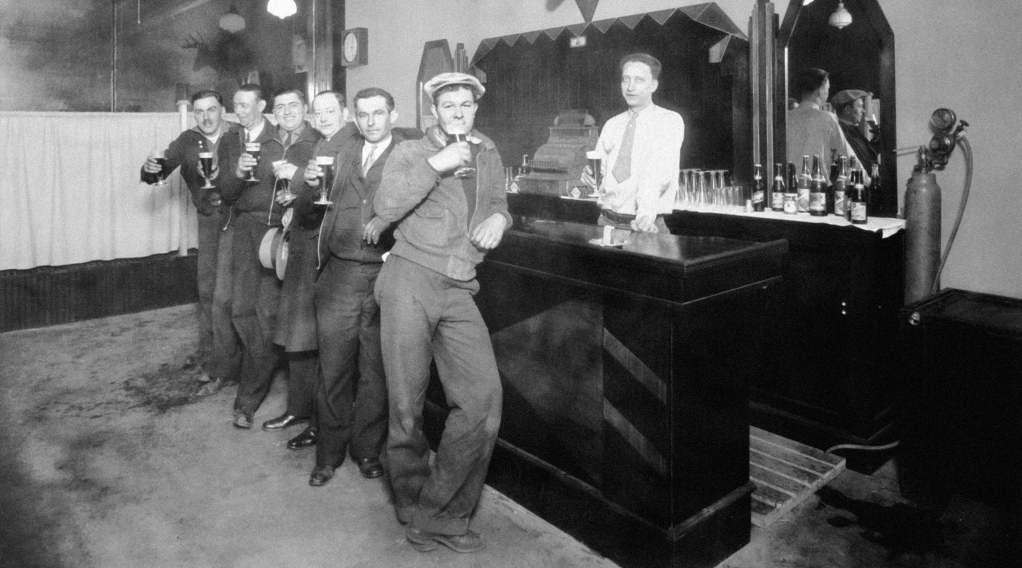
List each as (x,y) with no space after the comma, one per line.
(850,106)
(445,193)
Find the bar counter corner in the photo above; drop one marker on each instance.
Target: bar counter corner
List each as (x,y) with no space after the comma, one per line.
(626,375)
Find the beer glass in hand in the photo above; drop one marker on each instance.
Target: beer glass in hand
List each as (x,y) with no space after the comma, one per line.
(206,161)
(463,171)
(161,160)
(287,184)
(595,163)
(252,148)
(325,163)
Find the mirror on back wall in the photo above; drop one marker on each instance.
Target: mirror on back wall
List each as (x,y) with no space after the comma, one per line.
(859,56)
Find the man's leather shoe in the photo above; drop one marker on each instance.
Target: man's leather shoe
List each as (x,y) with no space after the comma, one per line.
(242,420)
(210,387)
(321,475)
(283,421)
(424,541)
(306,438)
(371,468)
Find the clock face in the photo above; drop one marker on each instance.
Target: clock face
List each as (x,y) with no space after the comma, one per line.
(350,47)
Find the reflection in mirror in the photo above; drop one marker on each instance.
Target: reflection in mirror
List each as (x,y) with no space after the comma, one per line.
(858,56)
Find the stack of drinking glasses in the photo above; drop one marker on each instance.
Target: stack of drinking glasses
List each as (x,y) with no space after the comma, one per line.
(710,191)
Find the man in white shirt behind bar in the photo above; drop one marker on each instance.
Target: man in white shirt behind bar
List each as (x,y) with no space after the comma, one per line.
(640,152)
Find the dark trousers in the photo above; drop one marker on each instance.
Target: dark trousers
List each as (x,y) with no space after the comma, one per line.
(302,380)
(352,395)
(209,243)
(425,315)
(255,293)
(225,358)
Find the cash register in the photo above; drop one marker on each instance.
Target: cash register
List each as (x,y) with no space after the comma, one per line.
(556,168)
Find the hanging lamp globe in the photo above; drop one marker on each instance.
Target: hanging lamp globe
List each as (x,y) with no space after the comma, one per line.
(232,21)
(840,18)
(282,8)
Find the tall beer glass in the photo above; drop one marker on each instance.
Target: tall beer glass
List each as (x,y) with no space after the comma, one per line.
(253,149)
(325,163)
(596,166)
(161,160)
(463,171)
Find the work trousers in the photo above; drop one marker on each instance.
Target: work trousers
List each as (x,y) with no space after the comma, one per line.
(225,358)
(426,315)
(352,395)
(209,244)
(255,293)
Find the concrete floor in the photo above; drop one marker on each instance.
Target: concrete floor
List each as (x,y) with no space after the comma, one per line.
(105,461)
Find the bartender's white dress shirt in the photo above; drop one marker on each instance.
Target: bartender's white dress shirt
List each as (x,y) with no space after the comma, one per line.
(656,152)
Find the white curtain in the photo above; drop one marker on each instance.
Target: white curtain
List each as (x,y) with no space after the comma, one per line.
(70,190)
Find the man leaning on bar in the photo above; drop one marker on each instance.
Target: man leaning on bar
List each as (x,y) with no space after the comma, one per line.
(640,150)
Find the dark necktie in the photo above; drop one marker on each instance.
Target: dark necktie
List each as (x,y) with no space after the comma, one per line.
(623,165)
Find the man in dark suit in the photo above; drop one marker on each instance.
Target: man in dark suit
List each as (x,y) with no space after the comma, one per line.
(296,325)
(352,397)
(256,289)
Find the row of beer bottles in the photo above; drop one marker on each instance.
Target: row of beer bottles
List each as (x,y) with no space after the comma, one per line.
(845,195)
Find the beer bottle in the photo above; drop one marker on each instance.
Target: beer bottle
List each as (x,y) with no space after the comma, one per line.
(790,192)
(840,181)
(805,180)
(858,201)
(758,190)
(818,190)
(873,196)
(778,189)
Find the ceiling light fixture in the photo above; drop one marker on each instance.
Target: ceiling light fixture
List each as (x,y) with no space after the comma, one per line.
(232,21)
(840,18)
(282,8)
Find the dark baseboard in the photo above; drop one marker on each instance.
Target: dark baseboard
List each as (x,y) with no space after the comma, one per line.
(50,295)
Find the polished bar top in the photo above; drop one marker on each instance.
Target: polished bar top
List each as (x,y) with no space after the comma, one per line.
(670,267)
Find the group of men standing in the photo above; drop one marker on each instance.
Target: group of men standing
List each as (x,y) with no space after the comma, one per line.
(381,272)
(378,283)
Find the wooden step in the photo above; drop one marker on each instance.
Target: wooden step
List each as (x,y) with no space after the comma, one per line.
(785,473)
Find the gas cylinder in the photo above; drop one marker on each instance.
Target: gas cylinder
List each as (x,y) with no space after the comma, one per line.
(922,234)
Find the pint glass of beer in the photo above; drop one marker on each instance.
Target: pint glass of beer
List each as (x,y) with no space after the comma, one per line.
(287,185)
(206,161)
(596,166)
(325,163)
(161,160)
(463,171)
(253,149)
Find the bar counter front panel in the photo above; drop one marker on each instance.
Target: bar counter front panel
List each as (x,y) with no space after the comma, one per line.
(836,380)
(627,369)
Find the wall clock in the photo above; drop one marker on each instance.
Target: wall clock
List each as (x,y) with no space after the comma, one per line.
(354,47)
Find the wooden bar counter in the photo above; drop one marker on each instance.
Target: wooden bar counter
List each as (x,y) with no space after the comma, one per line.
(626,372)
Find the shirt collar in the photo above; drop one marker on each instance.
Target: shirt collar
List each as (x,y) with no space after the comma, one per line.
(382,144)
(282,134)
(255,132)
(641,113)
(216,135)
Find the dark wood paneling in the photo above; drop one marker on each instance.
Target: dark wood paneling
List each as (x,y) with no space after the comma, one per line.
(52,295)
(528,84)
